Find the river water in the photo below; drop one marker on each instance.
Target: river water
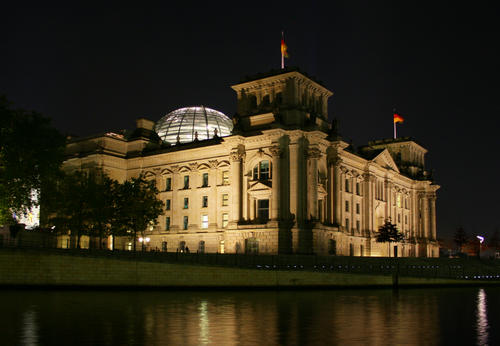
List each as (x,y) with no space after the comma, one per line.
(436,316)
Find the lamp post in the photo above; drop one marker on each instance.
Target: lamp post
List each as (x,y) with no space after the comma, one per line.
(481,239)
(144,242)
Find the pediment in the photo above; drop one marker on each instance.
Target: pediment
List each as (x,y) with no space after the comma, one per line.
(259,186)
(384,159)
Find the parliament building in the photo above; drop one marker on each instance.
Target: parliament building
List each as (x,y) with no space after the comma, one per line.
(276,178)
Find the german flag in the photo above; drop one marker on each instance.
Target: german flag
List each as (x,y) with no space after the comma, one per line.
(284,48)
(398,118)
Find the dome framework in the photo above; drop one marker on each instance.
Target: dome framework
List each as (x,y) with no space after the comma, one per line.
(187,124)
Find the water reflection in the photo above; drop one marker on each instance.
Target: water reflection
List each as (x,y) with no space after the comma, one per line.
(29,334)
(377,317)
(482,319)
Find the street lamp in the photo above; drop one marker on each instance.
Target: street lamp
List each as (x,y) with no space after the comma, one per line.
(481,239)
(144,242)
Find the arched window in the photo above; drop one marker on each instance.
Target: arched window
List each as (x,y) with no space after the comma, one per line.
(262,170)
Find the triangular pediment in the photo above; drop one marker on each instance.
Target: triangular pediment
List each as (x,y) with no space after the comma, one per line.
(384,159)
(259,186)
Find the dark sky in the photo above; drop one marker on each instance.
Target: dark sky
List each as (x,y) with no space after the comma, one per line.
(97,69)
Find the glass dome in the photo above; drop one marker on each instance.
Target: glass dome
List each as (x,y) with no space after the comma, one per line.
(187,124)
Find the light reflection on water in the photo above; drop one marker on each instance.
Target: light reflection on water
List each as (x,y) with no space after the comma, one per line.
(482,318)
(375,317)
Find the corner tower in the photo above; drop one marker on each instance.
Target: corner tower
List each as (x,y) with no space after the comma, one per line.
(281,99)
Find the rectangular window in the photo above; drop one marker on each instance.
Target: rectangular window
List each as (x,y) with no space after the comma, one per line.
(186,181)
(406,219)
(347,223)
(204,202)
(186,203)
(168,184)
(399,218)
(225,200)
(357,225)
(357,208)
(225,178)
(265,172)
(204,221)
(167,204)
(358,191)
(256,173)
(263,209)
(186,221)
(225,220)
(164,246)
(347,185)
(346,205)
(204,180)
(167,223)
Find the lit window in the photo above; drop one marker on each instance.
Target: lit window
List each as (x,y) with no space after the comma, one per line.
(204,221)
(225,220)
(262,171)
(225,200)
(186,221)
(186,181)
(168,184)
(167,204)
(167,223)
(205,201)
(186,202)
(225,178)
(357,208)
(346,205)
(205,180)
(398,200)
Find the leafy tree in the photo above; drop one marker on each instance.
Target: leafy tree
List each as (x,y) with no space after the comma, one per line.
(494,241)
(460,238)
(389,233)
(137,207)
(71,207)
(31,152)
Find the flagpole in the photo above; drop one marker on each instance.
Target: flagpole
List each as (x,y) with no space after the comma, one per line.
(393,112)
(282,55)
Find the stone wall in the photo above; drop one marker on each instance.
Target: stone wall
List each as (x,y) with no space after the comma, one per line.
(38,268)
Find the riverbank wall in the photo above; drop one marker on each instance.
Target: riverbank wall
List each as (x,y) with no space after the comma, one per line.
(41,268)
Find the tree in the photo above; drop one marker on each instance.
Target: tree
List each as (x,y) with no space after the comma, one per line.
(71,207)
(494,241)
(31,152)
(137,207)
(460,238)
(389,233)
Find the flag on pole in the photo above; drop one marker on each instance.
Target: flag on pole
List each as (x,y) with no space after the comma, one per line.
(284,48)
(398,118)
(284,53)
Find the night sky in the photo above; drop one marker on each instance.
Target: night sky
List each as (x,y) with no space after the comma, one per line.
(97,69)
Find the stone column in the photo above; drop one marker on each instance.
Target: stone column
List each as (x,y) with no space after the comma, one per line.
(245,197)
(313,155)
(368,201)
(432,207)
(330,211)
(294,162)
(252,208)
(338,192)
(276,182)
(212,198)
(175,222)
(236,186)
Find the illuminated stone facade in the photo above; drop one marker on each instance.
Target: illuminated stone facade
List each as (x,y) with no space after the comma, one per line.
(283,182)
